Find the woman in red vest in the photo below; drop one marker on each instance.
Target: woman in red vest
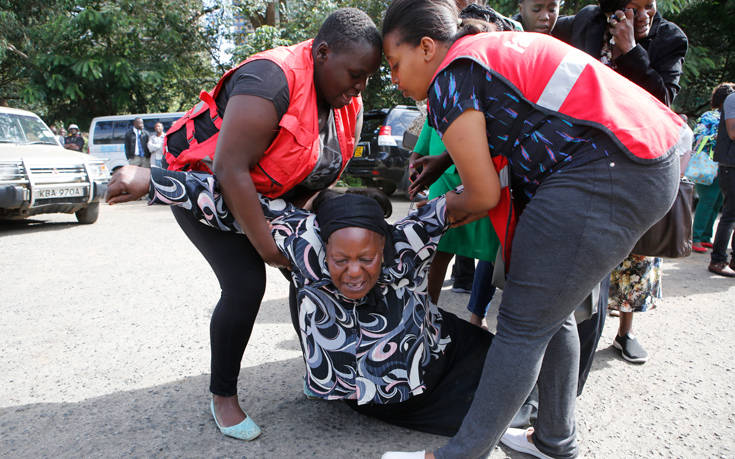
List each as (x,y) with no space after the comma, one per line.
(526,116)
(292,119)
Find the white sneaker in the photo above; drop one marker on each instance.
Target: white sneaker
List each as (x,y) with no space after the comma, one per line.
(516,439)
(402,455)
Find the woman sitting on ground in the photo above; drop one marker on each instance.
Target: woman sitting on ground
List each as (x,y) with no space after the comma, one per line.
(368,331)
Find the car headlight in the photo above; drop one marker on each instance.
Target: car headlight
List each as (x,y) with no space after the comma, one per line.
(98,171)
(9,171)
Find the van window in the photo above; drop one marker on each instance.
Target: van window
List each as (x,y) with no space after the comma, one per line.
(113,132)
(150,124)
(119,128)
(103,133)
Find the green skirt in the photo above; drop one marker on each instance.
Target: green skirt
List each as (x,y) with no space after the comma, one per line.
(473,240)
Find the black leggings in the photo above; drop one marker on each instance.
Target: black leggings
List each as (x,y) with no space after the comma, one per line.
(241,275)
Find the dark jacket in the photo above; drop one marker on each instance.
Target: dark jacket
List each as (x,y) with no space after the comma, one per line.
(656,62)
(130,143)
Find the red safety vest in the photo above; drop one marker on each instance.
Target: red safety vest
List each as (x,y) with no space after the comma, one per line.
(557,78)
(294,152)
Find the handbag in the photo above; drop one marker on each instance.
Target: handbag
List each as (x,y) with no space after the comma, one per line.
(701,168)
(671,237)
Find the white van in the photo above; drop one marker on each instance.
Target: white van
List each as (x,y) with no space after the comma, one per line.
(107,134)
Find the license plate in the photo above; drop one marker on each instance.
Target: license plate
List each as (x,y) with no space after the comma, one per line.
(60,192)
(359,150)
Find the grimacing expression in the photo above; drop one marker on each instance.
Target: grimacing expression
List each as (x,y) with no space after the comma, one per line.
(539,15)
(354,258)
(645,10)
(411,67)
(342,74)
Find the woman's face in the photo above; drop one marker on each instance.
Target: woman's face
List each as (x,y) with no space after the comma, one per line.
(342,75)
(354,260)
(412,67)
(539,15)
(645,10)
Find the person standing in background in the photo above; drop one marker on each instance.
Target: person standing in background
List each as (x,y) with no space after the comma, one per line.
(136,145)
(725,157)
(710,196)
(633,39)
(74,140)
(538,15)
(155,145)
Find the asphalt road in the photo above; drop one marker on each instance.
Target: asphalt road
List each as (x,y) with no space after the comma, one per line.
(105,353)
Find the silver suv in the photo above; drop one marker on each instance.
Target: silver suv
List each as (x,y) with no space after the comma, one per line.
(37,175)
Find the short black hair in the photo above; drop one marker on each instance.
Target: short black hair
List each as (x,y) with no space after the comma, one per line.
(414,19)
(487,14)
(347,26)
(611,6)
(720,93)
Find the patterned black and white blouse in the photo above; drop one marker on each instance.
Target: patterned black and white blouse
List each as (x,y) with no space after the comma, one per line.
(372,350)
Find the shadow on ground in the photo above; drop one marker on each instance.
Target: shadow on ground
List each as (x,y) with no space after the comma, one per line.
(174,420)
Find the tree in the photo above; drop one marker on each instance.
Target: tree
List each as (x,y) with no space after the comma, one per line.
(711,57)
(73,60)
(300,20)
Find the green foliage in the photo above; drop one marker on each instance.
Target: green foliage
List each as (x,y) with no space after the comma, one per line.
(98,57)
(709,25)
(264,37)
(300,20)
(70,60)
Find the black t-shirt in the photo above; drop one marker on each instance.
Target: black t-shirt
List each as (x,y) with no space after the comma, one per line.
(74,140)
(262,78)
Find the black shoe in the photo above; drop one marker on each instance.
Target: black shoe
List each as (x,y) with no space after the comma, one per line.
(722,269)
(462,289)
(630,348)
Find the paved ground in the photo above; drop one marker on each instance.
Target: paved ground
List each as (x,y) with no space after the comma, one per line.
(104,339)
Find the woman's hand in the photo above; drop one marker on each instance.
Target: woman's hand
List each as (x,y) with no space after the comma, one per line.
(273,257)
(621,28)
(129,183)
(427,170)
(456,215)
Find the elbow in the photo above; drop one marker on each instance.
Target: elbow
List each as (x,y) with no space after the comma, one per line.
(230,178)
(484,202)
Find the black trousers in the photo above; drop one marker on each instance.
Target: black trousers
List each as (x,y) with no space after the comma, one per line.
(451,382)
(726,177)
(241,275)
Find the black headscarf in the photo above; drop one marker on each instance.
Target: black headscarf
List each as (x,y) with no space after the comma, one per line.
(354,210)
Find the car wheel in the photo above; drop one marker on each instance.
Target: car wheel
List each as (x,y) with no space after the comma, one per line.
(89,214)
(386,187)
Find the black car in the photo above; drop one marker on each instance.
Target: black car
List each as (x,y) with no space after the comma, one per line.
(380,160)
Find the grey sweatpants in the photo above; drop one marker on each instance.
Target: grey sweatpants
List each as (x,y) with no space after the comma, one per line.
(578,226)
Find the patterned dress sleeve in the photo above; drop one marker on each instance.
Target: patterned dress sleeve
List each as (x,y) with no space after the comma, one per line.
(415,239)
(293,229)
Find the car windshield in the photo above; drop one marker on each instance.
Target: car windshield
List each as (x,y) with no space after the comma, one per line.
(24,129)
(399,120)
(370,125)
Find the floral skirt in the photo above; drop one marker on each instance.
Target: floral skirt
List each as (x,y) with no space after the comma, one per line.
(635,284)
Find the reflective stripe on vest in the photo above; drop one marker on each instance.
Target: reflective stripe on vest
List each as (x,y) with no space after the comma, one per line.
(554,76)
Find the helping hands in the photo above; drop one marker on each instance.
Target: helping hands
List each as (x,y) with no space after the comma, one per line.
(425,170)
(129,183)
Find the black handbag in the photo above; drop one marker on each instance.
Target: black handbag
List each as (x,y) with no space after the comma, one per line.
(671,237)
